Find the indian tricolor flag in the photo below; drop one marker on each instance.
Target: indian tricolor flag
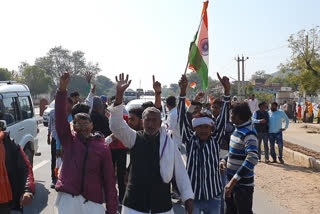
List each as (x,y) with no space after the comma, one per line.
(193,85)
(199,50)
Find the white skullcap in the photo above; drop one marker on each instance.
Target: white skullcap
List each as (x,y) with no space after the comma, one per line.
(201,121)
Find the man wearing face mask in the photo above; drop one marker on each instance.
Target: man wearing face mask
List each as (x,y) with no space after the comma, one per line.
(87,173)
(154,159)
(202,138)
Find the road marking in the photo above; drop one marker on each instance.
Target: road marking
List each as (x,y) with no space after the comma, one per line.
(39,165)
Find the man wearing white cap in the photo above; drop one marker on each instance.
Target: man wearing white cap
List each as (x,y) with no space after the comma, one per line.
(202,137)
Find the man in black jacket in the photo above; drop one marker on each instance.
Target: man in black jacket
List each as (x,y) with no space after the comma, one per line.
(18,171)
(261,120)
(100,121)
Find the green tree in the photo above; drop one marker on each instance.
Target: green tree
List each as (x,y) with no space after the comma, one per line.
(104,86)
(78,83)
(260,75)
(304,64)
(5,74)
(59,60)
(249,89)
(266,97)
(36,79)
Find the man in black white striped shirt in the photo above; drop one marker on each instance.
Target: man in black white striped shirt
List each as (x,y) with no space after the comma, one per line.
(202,137)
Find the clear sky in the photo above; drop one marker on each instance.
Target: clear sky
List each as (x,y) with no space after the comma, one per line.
(146,37)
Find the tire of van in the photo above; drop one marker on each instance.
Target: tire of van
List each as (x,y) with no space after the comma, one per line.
(29,153)
(45,124)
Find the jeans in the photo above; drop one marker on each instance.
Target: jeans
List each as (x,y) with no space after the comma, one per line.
(265,138)
(224,180)
(240,201)
(53,159)
(119,159)
(211,206)
(276,137)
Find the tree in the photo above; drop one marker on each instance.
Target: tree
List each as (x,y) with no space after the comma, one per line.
(78,83)
(260,75)
(104,86)
(36,79)
(59,60)
(304,64)
(249,89)
(266,97)
(5,74)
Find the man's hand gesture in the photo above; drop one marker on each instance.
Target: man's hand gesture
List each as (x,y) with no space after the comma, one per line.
(93,89)
(156,85)
(226,84)
(122,85)
(64,81)
(183,84)
(199,96)
(88,76)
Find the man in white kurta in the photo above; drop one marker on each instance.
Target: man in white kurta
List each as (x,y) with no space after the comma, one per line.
(154,160)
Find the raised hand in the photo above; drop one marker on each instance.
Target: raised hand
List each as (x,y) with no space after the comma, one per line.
(183,84)
(156,85)
(226,84)
(93,89)
(122,85)
(64,81)
(199,96)
(88,76)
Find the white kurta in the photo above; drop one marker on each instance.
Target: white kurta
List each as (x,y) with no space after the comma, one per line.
(171,161)
(66,203)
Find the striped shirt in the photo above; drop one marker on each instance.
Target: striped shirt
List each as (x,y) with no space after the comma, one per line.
(243,154)
(203,158)
(52,125)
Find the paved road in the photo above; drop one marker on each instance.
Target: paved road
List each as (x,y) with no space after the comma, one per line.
(45,197)
(298,135)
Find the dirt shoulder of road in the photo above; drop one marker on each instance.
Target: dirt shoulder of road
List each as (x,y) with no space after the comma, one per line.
(295,188)
(302,149)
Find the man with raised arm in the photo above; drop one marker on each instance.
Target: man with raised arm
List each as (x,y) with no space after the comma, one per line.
(202,137)
(154,159)
(87,176)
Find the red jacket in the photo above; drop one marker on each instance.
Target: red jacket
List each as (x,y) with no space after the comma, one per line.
(19,171)
(87,167)
(117,144)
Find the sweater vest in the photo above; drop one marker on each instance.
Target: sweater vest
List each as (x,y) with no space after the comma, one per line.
(146,192)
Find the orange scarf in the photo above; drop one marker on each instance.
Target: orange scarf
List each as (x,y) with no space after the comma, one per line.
(5,187)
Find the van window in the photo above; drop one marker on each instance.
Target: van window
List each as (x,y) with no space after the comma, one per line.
(10,113)
(26,107)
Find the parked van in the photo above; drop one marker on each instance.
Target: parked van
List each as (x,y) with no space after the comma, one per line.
(17,110)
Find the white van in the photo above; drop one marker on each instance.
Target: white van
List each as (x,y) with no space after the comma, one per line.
(17,110)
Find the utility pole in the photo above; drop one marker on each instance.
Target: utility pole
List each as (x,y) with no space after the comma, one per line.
(241,83)
(238,61)
(243,60)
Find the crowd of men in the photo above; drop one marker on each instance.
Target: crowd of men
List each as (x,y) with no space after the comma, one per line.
(90,141)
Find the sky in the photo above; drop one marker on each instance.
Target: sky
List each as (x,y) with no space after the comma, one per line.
(151,37)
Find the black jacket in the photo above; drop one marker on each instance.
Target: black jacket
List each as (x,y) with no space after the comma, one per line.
(100,123)
(19,173)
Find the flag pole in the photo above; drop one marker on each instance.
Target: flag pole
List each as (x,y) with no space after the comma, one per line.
(185,70)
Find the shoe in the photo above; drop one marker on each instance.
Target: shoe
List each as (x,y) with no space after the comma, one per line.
(267,161)
(175,195)
(53,184)
(274,161)
(259,160)
(281,161)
